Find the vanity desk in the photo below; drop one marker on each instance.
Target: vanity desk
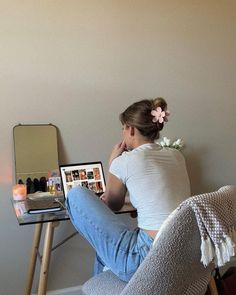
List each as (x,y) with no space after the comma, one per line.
(51,220)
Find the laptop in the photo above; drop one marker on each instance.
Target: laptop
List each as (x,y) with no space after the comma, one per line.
(89,175)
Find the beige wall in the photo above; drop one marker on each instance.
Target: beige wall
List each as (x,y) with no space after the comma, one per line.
(77,64)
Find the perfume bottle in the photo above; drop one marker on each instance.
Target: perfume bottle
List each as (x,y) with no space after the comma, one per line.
(51,187)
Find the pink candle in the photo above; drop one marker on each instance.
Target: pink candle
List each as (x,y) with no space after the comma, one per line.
(19,192)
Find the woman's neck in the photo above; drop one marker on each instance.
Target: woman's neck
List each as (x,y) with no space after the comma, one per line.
(140,141)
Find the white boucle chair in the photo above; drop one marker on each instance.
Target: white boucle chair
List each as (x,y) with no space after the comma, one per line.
(173,265)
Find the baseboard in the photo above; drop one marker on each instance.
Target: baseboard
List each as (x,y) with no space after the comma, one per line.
(77,290)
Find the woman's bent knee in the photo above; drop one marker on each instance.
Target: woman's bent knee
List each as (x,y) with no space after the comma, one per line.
(76,195)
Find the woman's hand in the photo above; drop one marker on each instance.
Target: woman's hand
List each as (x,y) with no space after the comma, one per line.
(117,151)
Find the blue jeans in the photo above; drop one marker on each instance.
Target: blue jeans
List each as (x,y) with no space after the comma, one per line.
(117,247)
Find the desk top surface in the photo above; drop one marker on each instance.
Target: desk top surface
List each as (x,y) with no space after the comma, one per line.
(23,217)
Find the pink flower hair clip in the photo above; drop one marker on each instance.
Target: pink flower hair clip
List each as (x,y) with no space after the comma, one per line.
(159,115)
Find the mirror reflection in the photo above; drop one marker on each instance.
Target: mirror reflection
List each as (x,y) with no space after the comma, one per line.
(36,155)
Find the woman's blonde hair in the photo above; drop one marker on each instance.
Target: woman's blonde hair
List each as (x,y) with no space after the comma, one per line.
(139,115)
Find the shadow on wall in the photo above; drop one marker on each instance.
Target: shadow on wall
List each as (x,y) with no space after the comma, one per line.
(195,165)
(62,155)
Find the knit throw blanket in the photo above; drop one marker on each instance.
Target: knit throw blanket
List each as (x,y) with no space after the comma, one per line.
(216,217)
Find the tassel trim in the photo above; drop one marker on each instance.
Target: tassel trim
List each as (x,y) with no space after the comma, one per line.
(221,252)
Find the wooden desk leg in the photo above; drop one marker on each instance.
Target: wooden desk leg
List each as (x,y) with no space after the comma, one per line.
(212,286)
(46,257)
(33,258)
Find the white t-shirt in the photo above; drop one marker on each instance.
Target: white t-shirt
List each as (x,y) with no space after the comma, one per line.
(156,179)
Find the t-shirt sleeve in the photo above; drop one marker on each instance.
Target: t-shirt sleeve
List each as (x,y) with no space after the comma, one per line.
(118,168)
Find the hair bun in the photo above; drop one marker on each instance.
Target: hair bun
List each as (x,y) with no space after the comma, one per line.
(160,102)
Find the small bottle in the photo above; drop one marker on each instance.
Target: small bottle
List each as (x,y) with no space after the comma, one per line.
(51,187)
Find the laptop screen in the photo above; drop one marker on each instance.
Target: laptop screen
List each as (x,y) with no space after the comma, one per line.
(89,175)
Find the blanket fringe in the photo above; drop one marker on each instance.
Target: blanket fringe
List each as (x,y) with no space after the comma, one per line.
(207,250)
(221,252)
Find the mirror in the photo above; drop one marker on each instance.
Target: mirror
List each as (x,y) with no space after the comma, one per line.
(36,153)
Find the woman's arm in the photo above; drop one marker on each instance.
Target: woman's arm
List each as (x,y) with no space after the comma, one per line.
(114,195)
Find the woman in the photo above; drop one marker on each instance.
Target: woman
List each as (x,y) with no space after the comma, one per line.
(156,180)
